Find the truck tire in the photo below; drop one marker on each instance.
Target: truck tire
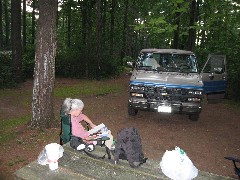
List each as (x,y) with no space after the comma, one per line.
(194,117)
(132,111)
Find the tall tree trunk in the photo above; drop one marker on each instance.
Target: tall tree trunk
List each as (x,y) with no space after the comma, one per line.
(69,22)
(198,20)
(112,27)
(84,7)
(24,26)
(192,31)
(16,39)
(44,71)
(89,44)
(1,26)
(176,32)
(135,42)
(33,20)
(63,26)
(104,19)
(7,24)
(131,34)
(98,38)
(124,32)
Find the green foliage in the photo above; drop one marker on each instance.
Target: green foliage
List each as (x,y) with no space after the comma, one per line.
(234,78)
(157,21)
(6,70)
(6,67)
(127,59)
(28,61)
(111,67)
(155,24)
(70,63)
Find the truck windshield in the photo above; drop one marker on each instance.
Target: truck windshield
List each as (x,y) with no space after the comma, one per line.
(185,63)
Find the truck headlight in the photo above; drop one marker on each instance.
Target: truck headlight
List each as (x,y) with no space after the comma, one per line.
(195,92)
(136,95)
(198,92)
(194,99)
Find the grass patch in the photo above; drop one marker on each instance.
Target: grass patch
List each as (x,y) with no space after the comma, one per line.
(88,88)
(83,88)
(8,125)
(16,161)
(15,92)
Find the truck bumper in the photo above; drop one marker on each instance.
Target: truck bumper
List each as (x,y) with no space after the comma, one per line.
(176,107)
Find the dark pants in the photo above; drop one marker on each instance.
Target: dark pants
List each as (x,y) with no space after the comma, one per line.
(76,141)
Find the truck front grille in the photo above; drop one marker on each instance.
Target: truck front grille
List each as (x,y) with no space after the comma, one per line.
(163,93)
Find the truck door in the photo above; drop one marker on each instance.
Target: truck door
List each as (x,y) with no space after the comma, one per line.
(214,76)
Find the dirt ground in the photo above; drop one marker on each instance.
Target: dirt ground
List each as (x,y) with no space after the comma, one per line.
(206,141)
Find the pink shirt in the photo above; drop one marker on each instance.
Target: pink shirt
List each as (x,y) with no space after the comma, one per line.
(77,128)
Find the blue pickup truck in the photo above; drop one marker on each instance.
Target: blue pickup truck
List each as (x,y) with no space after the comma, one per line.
(169,81)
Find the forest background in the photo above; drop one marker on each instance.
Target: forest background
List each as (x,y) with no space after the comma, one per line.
(95,38)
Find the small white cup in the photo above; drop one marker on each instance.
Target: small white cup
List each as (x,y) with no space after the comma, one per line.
(53,165)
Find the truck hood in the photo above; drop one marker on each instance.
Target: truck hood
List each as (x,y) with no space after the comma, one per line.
(168,79)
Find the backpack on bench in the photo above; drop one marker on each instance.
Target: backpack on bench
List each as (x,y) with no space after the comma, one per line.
(129,147)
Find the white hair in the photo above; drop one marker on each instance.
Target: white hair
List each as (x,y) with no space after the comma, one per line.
(72,104)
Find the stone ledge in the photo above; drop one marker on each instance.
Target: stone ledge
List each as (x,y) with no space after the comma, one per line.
(76,165)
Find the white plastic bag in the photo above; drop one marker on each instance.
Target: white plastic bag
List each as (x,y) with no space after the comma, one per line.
(176,165)
(50,155)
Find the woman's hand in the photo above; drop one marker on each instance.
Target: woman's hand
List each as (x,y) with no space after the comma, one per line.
(89,138)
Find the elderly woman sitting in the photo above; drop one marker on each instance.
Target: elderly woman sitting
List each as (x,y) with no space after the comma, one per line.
(80,135)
